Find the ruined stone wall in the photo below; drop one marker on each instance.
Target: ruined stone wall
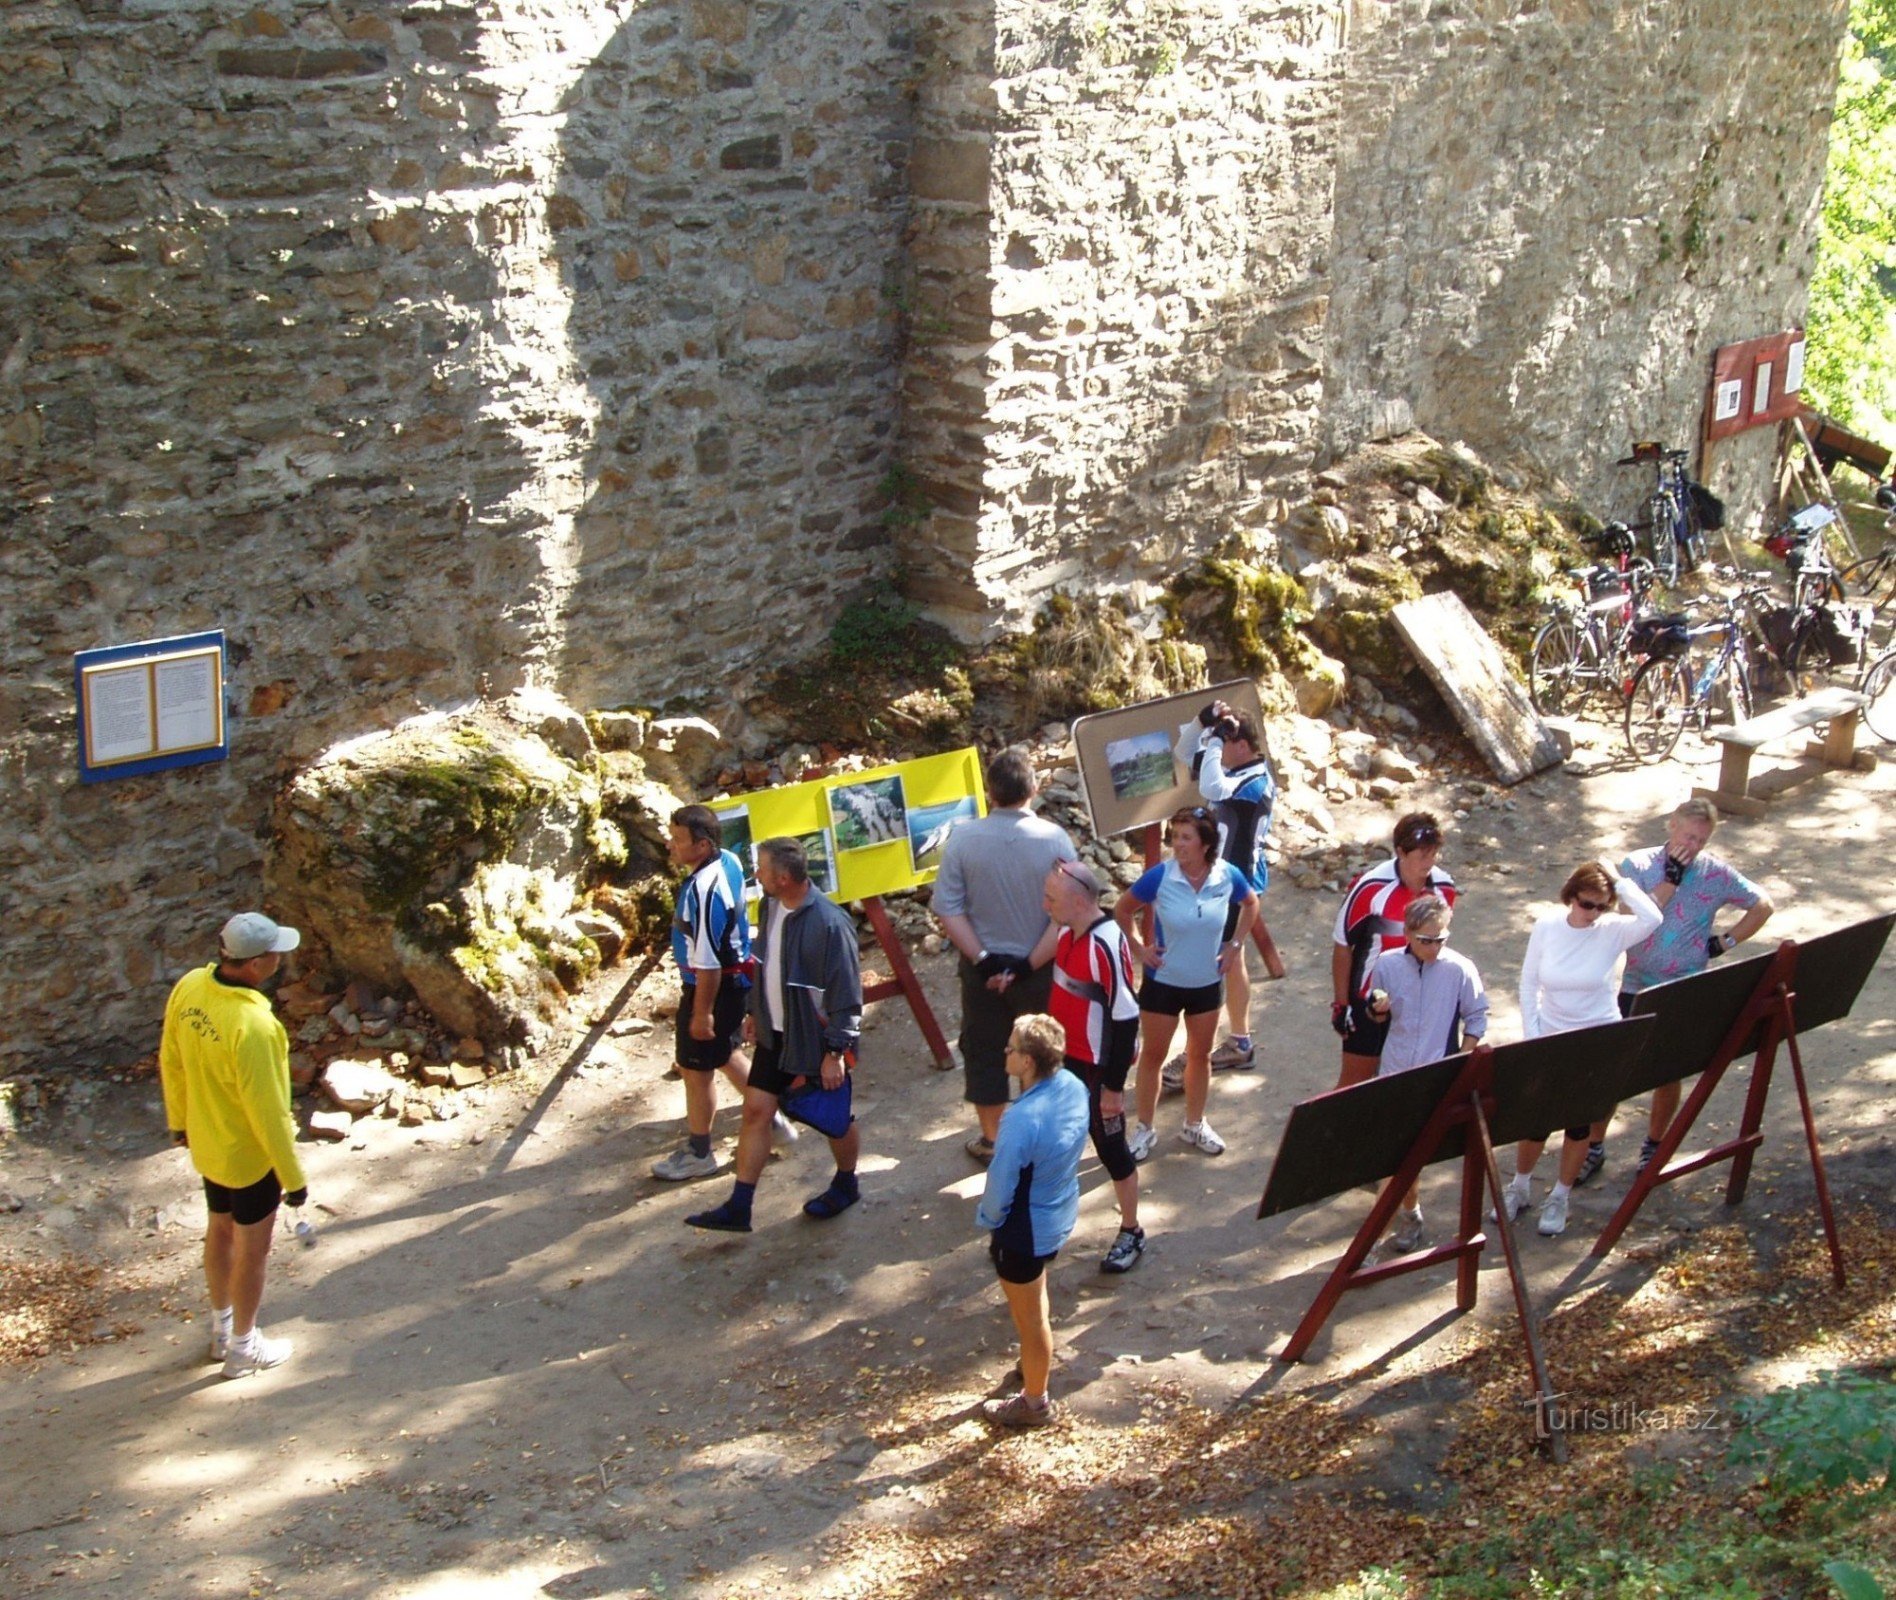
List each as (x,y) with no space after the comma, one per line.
(1548,217)
(425,349)
(1122,219)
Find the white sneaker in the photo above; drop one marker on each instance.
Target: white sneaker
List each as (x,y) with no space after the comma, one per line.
(783,1130)
(681,1165)
(1553,1222)
(1141,1140)
(1514,1200)
(220,1343)
(255,1354)
(1201,1136)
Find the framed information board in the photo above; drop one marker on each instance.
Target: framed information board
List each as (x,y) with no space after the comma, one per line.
(146,707)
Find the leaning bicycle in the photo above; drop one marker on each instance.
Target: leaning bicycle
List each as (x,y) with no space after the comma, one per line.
(1581,649)
(1678,511)
(1669,692)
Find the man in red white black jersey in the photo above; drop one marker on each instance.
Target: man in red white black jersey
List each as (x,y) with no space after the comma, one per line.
(1369,923)
(1095,999)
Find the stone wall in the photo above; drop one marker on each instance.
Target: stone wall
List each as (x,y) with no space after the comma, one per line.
(1122,219)
(438,348)
(427,350)
(1549,216)
(1172,254)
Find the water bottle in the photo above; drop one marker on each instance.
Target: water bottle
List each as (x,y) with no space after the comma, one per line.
(300,1226)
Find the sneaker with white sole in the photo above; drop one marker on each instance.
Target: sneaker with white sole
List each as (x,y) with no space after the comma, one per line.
(1515,1200)
(255,1354)
(1128,1245)
(1407,1234)
(1646,1152)
(1553,1222)
(783,1130)
(220,1344)
(1202,1136)
(682,1165)
(1233,1057)
(1172,1076)
(1141,1140)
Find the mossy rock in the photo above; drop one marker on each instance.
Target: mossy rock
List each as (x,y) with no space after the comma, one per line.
(449,860)
(1083,654)
(1247,615)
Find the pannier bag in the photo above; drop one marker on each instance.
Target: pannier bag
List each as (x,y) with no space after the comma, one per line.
(1663,637)
(1706,506)
(1840,631)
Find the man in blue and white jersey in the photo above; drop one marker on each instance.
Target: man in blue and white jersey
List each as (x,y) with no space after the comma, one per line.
(1225,753)
(711,944)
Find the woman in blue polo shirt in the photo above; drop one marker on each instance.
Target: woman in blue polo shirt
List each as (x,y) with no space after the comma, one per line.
(1031,1200)
(1202,910)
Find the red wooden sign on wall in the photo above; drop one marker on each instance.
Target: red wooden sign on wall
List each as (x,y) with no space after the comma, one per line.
(1754,383)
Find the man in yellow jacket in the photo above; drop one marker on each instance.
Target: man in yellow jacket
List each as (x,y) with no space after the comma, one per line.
(225,1062)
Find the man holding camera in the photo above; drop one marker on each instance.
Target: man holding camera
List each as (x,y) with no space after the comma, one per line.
(1224,752)
(988,899)
(224,1060)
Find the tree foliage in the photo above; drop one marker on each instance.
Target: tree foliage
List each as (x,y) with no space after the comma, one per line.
(1852,366)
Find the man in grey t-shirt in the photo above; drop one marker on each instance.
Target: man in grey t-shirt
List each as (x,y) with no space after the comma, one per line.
(988,899)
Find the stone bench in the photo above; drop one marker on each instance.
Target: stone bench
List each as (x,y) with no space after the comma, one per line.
(1738,792)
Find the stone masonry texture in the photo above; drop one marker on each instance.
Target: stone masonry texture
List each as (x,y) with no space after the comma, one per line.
(436,349)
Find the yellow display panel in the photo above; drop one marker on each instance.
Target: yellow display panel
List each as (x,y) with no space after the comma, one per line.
(867,833)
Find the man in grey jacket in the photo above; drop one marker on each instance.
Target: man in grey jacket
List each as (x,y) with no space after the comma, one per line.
(804,1018)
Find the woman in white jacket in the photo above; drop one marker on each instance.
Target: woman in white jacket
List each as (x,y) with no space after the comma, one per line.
(1570,979)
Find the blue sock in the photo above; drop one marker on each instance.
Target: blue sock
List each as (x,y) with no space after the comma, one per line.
(741,1196)
(700,1143)
(845,1183)
(1241,1040)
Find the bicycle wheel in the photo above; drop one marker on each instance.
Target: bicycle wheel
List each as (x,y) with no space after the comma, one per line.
(1553,679)
(1729,702)
(1662,539)
(1879,683)
(1872,579)
(1656,709)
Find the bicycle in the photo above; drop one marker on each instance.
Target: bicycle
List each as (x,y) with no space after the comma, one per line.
(1678,511)
(1879,684)
(1863,579)
(1801,544)
(1667,691)
(1582,648)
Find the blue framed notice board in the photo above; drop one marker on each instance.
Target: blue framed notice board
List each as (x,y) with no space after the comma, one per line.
(146,707)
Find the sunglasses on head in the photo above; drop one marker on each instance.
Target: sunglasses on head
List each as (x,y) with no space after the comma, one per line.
(1421,839)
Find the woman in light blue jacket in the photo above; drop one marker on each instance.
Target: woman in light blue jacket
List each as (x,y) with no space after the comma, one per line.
(1031,1201)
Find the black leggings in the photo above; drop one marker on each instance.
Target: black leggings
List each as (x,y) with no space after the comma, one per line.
(1109,1133)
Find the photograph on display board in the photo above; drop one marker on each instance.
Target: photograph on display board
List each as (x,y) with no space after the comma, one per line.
(864,815)
(734,835)
(929,827)
(1141,765)
(821,859)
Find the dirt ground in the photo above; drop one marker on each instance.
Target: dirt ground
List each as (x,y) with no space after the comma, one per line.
(517,1372)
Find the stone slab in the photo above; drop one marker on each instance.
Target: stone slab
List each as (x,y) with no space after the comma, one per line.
(1467,666)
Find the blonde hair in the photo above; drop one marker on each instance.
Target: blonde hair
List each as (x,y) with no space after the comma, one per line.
(1041,1040)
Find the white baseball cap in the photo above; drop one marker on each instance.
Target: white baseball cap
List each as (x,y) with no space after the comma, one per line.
(250,934)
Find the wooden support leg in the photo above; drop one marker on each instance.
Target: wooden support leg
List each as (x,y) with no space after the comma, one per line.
(1536,1360)
(906,981)
(1267,948)
(1840,741)
(1817,1163)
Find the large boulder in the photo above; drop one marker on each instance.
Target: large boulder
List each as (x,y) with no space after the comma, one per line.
(453,858)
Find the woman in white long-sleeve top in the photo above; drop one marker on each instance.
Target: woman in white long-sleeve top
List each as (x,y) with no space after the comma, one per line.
(1570,979)
(1031,1201)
